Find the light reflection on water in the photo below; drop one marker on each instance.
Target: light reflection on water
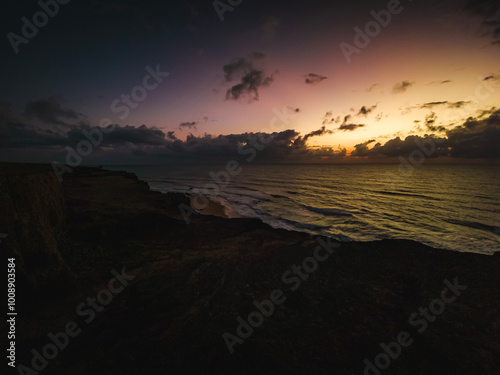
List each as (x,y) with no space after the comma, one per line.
(454,207)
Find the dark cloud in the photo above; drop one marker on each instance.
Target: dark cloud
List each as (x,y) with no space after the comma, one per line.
(235,68)
(316,133)
(370,89)
(458,104)
(489,12)
(250,79)
(417,126)
(440,82)
(475,138)
(171,136)
(350,127)
(188,125)
(485,112)
(15,134)
(152,144)
(362,149)
(492,77)
(50,111)
(285,144)
(401,87)
(313,78)
(328,118)
(125,135)
(432,105)
(319,132)
(365,111)
(193,124)
(430,123)
(398,147)
(451,105)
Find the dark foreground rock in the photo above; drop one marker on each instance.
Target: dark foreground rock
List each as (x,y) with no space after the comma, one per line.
(184,286)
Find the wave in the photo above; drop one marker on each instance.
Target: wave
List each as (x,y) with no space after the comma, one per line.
(328,211)
(279,196)
(474,225)
(406,195)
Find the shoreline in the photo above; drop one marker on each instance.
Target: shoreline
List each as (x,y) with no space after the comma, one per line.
(214,208)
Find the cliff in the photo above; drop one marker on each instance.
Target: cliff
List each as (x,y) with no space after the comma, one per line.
(33,214)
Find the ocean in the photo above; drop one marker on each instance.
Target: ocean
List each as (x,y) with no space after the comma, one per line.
(453,207)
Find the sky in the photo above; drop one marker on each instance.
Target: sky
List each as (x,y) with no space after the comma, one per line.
(148,82)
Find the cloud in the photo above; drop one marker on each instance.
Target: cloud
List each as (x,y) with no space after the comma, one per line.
(365,111)
(370,89)
(50,111)
(154,145)
(316,133)
(492,77)
(485,112)
(328,118)
(250,79)
(314,79)
(450,105)
(439,82)
(14,134)
(402,86)
(350,127)
(361,149)
(475,138)
(193,124)
(432,105)
(397,147)
(489,12)
(125,135)
(188,125)
(430,121)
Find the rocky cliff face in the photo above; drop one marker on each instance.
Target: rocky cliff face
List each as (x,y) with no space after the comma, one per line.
(32,214)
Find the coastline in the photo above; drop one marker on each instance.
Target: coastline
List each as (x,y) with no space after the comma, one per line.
(214,208)
(192,281)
